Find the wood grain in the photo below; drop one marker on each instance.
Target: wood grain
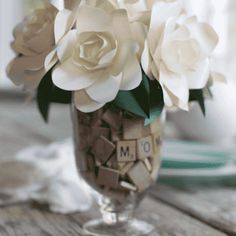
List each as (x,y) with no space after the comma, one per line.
(215,206)
(27,220)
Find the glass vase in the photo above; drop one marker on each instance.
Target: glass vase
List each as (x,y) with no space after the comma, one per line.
(119,157)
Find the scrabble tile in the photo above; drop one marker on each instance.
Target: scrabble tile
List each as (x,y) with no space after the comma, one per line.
(132,128)
(116,135)
(96,132)
(83,118)
(113,119)
(148,164)
(96,119)
(108,177)
(103,149)
(126,168)
(84,137)
(126,151)
(140,176)
(128,186)
(111,162)
(146,131)
(156,142)
(91,163)
(118,194)
(145,147)
(156,126)
(155,162)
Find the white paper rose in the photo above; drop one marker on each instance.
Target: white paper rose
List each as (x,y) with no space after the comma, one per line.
(34,39)
(177,52)
(98,58)
(137,9)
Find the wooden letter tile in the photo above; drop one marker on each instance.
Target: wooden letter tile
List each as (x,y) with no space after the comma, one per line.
(132,128)
(126,151)
(103,149)
(156,126)
(108,177)
(140,176)
(97,132)
(145,147)
(126,168)
(114,120)
(156,142)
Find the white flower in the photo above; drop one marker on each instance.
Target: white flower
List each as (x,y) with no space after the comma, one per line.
(98,58)
(177,52)
(34,39)
(137,9)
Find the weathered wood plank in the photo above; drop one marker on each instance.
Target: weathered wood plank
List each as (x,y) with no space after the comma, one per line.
(214,206)
(25,220)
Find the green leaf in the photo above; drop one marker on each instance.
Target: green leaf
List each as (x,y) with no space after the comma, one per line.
(145,101)
(126,100)
(48,93)
(198,95)
(156,101)
(135,101)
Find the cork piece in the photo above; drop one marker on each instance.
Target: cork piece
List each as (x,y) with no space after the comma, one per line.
(156,142)
(108,177)
(103,149)
(128,186)
(113,119)
(140,176)
(145,147)
(126,168)
(126,151)
(132,128)
(97,132)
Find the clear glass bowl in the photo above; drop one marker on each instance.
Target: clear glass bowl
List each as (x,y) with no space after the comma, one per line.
(119,157)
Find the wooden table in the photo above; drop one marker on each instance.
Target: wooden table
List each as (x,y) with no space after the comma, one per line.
(192,211)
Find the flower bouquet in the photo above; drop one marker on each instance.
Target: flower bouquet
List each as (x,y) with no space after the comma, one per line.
(119,63)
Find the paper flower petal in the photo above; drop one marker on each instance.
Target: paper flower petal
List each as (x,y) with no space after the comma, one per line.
(66,46)
(146,60)
(96,19)
(120,25)
(198,79)
(41,44)
(63,23)
(161,12)
(205,35)
(84,103)
(105,89)
(132,74)
(176,84)
(50,60)
(70,77)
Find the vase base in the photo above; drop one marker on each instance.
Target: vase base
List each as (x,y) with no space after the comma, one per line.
(132,228)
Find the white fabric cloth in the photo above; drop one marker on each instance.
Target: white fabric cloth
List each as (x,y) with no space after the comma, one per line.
(46,174)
